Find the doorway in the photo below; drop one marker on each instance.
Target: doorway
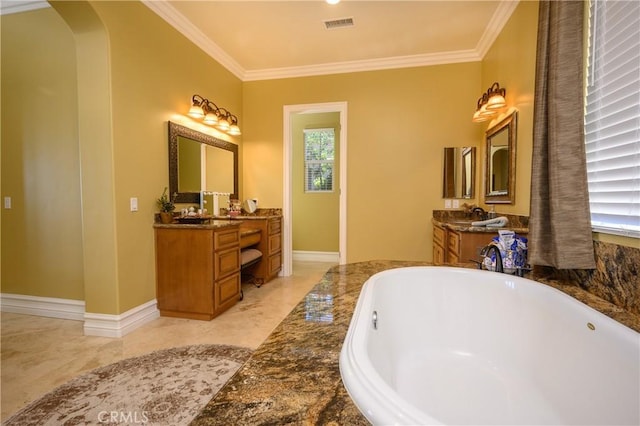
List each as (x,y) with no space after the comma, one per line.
(287,235)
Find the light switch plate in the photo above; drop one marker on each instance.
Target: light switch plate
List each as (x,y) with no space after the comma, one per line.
(7,202)
(447,204)
(456,204)
(133,202)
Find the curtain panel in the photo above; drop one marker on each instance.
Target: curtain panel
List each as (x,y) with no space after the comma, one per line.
(560,224)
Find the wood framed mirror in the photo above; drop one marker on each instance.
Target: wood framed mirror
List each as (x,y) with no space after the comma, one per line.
(500,161)
(198,162)
(459,172)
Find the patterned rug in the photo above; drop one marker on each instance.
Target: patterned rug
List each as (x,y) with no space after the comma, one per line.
(166,387)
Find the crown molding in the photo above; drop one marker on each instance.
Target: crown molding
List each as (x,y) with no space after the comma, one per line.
(197,37)
(9,7)
(495,26)
(364,65)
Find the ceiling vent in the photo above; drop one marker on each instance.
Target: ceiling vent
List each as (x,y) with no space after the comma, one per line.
(338,23)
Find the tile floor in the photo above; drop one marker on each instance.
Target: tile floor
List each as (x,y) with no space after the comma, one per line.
(39,354)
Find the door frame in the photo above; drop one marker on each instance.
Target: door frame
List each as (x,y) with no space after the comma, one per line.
(287,211)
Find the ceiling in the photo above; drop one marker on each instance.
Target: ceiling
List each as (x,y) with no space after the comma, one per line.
(266,39)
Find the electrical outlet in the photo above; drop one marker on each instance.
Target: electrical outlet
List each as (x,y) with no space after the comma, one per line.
(447,204)
(133,204)
(456,204)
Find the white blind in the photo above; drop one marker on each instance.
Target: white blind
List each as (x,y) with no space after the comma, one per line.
(612,118)
(319,157)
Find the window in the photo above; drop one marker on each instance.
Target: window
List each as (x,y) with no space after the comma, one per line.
(319,157)
(612,117)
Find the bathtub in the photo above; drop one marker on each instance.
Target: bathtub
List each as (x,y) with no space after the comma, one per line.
(439,345)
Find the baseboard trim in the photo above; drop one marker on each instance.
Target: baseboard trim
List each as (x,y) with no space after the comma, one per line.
(316,256)
(105,325)
(42,306)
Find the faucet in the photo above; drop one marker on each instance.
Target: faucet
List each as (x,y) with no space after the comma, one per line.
(486,252)
(479,211)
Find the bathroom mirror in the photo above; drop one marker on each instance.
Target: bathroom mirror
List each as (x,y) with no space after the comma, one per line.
(459,171)
(500,162)
(199,161)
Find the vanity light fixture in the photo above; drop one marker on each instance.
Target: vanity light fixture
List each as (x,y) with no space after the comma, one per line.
(213,115)
(489,103)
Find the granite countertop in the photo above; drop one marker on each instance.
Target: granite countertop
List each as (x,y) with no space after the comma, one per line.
(458,226)
(294,376)
(210,224)
(246,217)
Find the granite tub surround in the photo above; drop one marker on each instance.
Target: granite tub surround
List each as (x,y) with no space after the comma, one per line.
(294,376)
(616,278)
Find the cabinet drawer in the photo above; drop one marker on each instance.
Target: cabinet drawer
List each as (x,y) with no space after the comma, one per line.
(226,238)
(226,262)
(275,226)
(453,243)
(275,243)
(439,235)
(275,264)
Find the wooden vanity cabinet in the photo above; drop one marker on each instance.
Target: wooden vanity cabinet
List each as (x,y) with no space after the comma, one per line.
(454,247)
(197,270)
(463,247)
(270,245)
(439,245)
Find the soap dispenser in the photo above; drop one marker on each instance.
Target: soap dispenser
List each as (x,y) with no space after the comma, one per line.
(492,213)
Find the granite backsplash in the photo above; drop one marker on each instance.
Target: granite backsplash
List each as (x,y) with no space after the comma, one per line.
(616,278)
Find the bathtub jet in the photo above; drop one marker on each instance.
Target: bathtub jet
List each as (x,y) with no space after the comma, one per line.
(439,345)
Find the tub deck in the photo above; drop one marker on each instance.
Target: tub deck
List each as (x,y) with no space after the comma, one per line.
(294,376)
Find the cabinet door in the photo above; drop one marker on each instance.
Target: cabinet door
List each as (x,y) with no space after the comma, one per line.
(275,264)
(227,292)
(438,255)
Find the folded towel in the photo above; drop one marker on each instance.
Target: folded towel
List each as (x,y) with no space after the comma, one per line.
(498,222)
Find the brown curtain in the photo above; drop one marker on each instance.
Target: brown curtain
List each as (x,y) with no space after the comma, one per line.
(560,223)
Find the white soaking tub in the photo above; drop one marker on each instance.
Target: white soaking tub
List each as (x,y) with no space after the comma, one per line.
(438,345)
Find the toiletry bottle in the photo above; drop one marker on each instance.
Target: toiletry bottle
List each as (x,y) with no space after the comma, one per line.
(492,213)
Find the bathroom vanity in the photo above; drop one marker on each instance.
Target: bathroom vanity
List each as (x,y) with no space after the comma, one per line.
(197,268)
(456,242)
(199,265)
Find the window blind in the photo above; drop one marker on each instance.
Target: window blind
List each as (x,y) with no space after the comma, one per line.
(612,117)
(319,157)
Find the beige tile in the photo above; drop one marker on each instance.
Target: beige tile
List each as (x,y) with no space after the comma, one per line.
(39,354)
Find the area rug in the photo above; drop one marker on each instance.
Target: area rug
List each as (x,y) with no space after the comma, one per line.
(166,387)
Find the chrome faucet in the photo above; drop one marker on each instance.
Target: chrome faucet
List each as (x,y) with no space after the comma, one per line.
(486,252)
(479,211)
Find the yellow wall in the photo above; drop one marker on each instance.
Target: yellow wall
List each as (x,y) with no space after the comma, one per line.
(41,233)
(399,121)
(150,77)
(511,62)
(314,215)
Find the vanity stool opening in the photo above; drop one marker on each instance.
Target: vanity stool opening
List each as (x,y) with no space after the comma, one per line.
(248,258)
